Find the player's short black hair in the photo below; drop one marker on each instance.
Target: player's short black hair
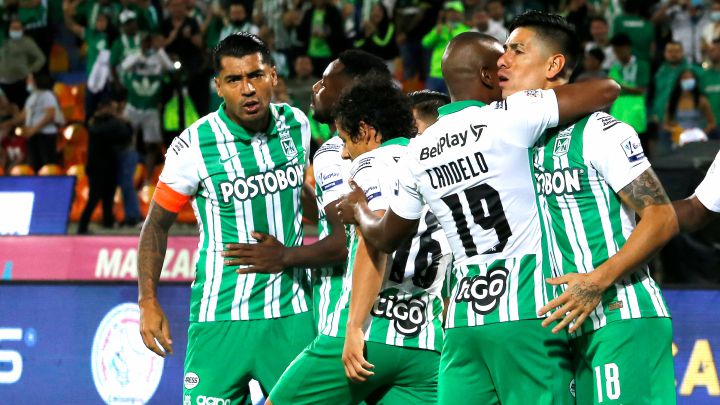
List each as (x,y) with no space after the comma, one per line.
(554,29)
(598,54)
(620,40)
(379,103)
(359,63)
(427,102)
(238,45)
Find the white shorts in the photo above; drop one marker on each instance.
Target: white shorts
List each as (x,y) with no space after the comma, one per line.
(147,120)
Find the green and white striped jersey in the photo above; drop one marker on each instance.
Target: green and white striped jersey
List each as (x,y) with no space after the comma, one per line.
(242,182)
(471,167)
(408,310)
(578,172)
(331,174)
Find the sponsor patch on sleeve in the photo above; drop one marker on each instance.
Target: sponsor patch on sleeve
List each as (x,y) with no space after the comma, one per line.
(330,178)
(373,192)
(633,149)
(533,96)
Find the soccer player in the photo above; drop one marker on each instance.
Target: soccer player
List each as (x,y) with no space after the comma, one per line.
(331,173)
(703,207)
(471,167)
(425,104)
(386,324)
(592,178)
(242,168)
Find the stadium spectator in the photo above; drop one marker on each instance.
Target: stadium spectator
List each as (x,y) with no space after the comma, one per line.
(482,23)
(496,10)
(281,62)
(300,86)
(425,104)
(377,35)
(238,21)
(665,78)
(127,160)
(98,37)
(413,19)
(143,77)
(108,133)
(639,29)
(20,57)
(41,117)
(90,10)
(34,17)
(8,111)
(711,30)
(322,33)
(599,32)
(688,111)
(183,43)
(710,82)
(126,44)
(633,75)
(448,26)
(592,65)
(688,21)
(576,12)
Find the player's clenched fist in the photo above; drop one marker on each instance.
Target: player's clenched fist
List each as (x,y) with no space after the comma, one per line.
(347,203)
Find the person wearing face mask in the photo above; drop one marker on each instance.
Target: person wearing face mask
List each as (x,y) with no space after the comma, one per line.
(20,57)
(712,30)
(689,116)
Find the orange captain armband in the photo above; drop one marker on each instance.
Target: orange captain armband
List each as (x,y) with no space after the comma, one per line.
(168,198)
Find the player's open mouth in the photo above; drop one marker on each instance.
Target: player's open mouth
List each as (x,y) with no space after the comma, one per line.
(251,107)
(502,80)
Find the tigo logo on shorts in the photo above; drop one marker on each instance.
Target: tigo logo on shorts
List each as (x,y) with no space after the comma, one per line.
(191,380)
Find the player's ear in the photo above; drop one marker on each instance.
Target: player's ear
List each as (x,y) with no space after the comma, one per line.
(556,64)
(216,80)
(488,77)
(274,76)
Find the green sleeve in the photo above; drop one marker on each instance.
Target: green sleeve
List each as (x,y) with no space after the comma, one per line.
(431,38)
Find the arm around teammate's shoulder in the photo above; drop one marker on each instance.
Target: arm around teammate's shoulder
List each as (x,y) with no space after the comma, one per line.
(577,100)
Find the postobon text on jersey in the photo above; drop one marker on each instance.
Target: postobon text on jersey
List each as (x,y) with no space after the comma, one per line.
(264,183)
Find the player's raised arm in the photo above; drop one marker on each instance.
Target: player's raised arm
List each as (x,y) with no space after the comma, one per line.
(580,99)
(151,254)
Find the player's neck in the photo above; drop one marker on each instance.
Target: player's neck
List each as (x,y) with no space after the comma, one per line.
(551,84)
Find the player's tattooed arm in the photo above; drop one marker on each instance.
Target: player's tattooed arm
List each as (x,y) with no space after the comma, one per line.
(658,224)
(644,191)
(151,254)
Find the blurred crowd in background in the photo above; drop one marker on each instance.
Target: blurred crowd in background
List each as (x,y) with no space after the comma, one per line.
(101,87)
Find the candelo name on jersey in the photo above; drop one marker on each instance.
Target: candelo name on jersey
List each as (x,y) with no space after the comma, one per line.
(408,315)
(462,169)
(264,183)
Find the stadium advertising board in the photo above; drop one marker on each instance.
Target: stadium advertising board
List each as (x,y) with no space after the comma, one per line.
(90,258)
(79,343)
(35,205)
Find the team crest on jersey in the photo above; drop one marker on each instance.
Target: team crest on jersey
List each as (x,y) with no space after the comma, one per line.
(562,142)
(286,141)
